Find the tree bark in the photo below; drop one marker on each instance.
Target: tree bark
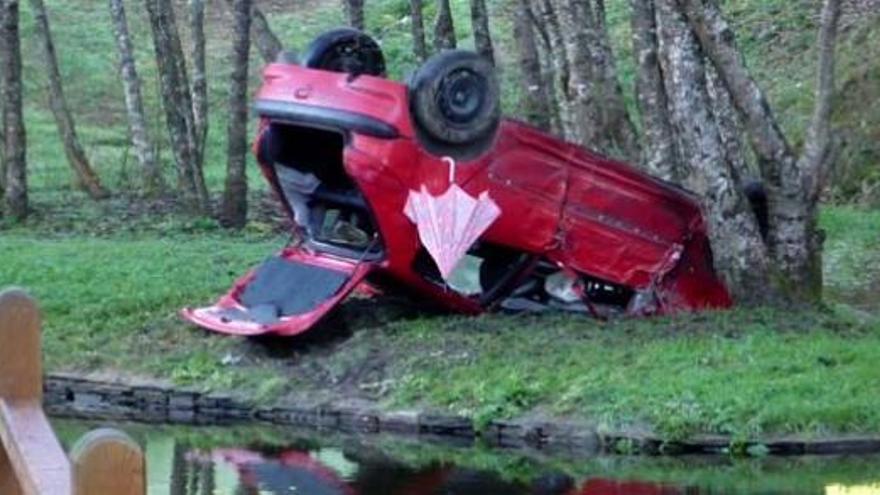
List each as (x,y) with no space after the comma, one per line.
(535,101)
(134,104)
(554,64)
(739,252)
(729,127)
(660,155)
(263,37)
(444,29)
(793,184)
(354,10)
(417,21)
(235,194)
(482,33)
(177,102)
(86,177)
(15,139)
(2,113)
(199,79)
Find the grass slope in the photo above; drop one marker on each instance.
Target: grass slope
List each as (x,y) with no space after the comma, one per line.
(111,290)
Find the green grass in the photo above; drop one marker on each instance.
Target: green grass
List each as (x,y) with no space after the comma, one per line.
(110,289)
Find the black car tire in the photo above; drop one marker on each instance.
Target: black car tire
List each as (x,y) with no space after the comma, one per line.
(455,102)
(345,50)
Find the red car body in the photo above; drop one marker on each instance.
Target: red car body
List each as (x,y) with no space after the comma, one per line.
(615,229)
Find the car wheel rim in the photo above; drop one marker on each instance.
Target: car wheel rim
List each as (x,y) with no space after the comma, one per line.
(461,96)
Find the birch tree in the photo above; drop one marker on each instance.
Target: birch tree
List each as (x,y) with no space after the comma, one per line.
(235,194)
(263,37)
(794,181)
(86,178)
(134,104)
(177,103)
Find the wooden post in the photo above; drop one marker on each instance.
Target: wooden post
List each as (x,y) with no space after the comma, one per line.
(108,461)
(21,369)
(32,454)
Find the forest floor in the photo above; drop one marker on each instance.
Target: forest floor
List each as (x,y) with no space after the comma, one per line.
(112,277)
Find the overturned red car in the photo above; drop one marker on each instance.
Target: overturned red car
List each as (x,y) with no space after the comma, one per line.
(422,186)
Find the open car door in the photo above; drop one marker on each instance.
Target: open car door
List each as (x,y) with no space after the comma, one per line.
(286,295)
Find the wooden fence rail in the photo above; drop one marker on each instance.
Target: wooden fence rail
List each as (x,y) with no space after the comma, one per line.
(32,461)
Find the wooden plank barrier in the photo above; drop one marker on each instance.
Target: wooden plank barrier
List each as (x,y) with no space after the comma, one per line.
(32,461)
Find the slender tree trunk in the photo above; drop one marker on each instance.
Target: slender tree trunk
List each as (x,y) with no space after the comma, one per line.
(554,66)
(739,252)
(134,104)
(235,195)
(793,184)
(86,177)
(15,140)
(2,112)
(264,38)
(418,29)
(444,29)
(535,102)
(660,155)
(199,79)
(177,102)
(482,33)
(354,11)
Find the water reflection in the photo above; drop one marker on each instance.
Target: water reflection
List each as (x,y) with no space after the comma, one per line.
(261,462)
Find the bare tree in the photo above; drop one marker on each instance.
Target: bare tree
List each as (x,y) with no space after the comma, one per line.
(536,102)
(199,78)
(264,38)
(86,177)
(739,252)
(444,29)
(794,182)
(134,104)
(177,102)
(235,194)
(482,34)
(354,11)
(660,154)
(15,140)
(418,29)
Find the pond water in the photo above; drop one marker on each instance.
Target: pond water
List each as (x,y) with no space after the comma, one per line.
(203,461)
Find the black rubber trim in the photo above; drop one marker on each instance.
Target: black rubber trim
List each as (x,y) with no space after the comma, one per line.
(295,113)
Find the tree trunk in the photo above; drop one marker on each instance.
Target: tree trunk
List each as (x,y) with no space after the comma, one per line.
(554,65)
(729,127)
(482,34)
(266,41)
(660,156)
(793,184)
(199,80)
(134,104)
(86,177)
(354,11)
(235,194)
(15,140)
(2,113)
(263,37)
(535,102)
(177,102)
(418,29)
(444,29)
(739,252)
